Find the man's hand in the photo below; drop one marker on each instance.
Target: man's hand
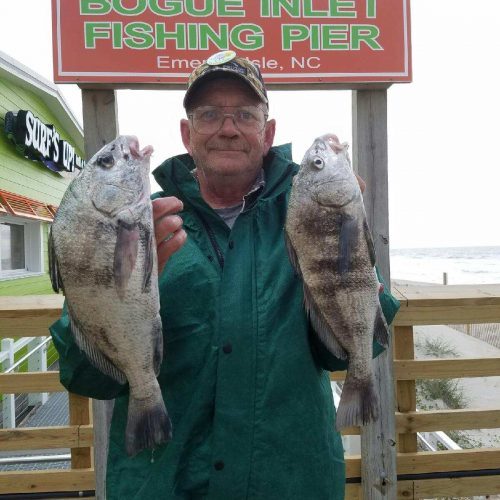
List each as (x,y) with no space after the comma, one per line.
(168,228)
(361,182)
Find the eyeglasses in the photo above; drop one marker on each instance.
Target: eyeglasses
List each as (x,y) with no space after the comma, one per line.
(209,119)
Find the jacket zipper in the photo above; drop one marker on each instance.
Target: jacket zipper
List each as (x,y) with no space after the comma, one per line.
(213,241)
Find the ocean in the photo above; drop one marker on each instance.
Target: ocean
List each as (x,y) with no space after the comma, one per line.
(463,265)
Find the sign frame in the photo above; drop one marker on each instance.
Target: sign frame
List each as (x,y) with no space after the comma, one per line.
(176,78)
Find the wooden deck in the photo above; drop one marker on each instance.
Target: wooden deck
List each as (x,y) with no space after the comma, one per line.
(420,474)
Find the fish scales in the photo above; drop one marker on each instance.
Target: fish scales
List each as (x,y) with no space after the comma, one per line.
(330,247)
(102,255)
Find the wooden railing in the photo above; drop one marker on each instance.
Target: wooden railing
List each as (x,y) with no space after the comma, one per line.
(29,317)
(420,474)
(423,474)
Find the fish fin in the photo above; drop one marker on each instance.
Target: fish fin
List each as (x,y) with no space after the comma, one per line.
(95,356)
(359,403)
(126,248)
(348,239)
(55,277)
(321,327)
(148,423)
(381,330)
(369,242)
(157,345)
(292,255)
(148,261)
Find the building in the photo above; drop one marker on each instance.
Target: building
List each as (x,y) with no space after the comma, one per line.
(41,150)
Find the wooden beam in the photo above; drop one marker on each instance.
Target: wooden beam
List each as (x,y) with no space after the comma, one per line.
(443,420)
(456,487)
(435,461)
(41,438)
(370,162)
(18,383)
(446,368)
(353,491)
(100,125)
(406,395)
(28,316)
(46,481)
(450,304)
(80,409)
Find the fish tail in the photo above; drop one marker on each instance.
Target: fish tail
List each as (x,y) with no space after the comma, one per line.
(359,403)
(148,423)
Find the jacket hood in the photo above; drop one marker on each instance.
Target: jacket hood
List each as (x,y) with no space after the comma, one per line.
(175,178)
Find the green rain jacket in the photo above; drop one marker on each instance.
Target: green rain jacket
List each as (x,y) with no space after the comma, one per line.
(243,379)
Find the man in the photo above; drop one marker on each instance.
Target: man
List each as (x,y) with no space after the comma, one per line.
(244,378)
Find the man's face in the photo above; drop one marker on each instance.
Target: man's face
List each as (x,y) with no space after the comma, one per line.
(227,152)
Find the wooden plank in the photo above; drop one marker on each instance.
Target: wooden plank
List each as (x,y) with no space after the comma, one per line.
(441,420)
(26,327)
(338,376)
(446,368)
(46,481)
(448,315)
(406,396)
(435,461)
(100,124)
(30,306)
(353,491)
(29,315)
(446,295)
(80,409)
(18,383)
(457,487)
(37,438)
(369,112)
(439,304)
(449,460)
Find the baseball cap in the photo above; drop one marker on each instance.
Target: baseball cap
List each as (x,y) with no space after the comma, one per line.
(227,62)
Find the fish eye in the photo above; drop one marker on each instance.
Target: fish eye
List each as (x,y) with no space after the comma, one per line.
(106,161)
(318,163)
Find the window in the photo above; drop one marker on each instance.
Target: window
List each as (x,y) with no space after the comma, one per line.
(12,256)
(20,247)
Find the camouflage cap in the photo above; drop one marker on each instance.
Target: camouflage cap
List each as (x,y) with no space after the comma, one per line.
(227,62)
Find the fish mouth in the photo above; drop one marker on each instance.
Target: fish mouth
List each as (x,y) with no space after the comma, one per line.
(135,151)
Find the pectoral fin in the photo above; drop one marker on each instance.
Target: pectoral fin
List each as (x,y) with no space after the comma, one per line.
(126,248)
(348,239)
(149,248)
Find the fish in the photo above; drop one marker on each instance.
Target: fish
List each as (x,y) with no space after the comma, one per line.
(102,255)
(330,247)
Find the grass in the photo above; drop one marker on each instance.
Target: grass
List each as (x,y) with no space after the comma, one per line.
(437,348)
(449,391)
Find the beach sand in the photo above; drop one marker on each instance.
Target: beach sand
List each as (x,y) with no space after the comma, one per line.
(480,392)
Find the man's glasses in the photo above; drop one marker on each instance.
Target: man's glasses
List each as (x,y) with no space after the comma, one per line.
(209,119)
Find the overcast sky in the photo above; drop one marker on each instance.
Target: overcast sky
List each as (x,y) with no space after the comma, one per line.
(444,133)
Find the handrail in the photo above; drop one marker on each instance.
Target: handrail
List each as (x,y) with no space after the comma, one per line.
(421,474)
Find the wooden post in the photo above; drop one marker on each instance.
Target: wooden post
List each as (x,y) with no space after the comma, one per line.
(406,396)
(100,124)
(378,450)
(80,414)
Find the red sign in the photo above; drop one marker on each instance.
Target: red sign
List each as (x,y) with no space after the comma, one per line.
(292,41)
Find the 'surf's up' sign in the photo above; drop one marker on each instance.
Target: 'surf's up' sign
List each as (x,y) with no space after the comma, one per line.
(293,41)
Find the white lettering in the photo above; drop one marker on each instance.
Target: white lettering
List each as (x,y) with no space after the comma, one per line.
(30,123)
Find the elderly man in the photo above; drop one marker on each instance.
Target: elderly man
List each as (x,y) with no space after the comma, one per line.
(244,380)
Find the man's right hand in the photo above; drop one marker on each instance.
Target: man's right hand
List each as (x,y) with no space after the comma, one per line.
(168,228)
